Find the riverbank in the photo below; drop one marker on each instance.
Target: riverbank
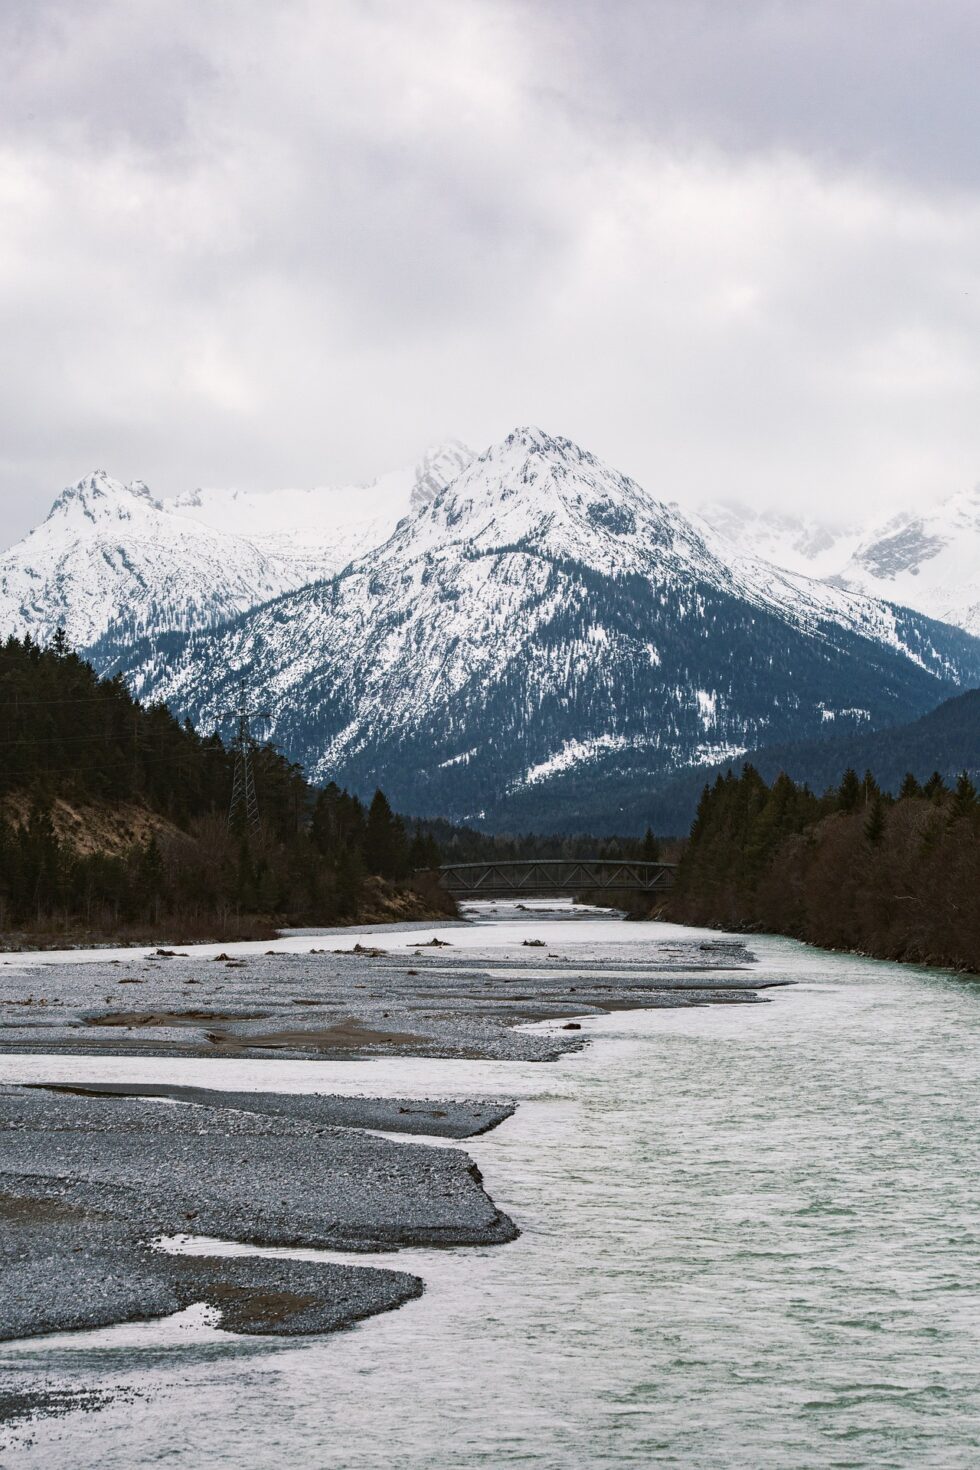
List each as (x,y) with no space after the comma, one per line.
(852,871)
(380,902)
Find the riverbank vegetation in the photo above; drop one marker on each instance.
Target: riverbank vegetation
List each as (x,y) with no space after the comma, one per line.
(855,869)
(114,824)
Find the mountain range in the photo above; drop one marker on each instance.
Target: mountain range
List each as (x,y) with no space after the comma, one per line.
(928,560)
(524,637)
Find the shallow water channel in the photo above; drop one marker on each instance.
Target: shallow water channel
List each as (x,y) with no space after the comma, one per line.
(751,1237)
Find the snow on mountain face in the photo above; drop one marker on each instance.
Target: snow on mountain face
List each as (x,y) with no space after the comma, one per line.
(797,543)
(543,615)
(930,561)
(320,530)
(111,554)
(112,560)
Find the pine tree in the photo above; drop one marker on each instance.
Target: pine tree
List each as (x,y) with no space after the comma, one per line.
(381,853)
(935,788)
(849,791)
(874,825)
(650,851)
(964,802)
(909,788)
(350,882)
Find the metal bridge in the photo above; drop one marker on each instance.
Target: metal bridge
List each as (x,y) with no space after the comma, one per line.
(548,877)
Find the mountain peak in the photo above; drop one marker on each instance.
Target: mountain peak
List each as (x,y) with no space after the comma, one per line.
(98,497)
(542,492)
(535,440)
(438,467)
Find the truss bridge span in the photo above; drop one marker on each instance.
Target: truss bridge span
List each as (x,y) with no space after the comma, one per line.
(554,877)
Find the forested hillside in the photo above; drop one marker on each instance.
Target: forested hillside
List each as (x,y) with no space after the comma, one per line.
(897,877)
(944,740)
(113,820)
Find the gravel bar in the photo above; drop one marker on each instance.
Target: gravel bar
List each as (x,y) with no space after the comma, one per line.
(355,1003)
(87,1182)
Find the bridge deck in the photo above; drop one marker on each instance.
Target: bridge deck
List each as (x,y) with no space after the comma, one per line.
(552,876)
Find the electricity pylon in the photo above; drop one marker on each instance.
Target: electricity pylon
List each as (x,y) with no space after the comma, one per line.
(244,802)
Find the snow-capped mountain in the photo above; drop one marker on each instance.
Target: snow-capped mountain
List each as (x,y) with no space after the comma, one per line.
(110,555)
(318,531)
(544,618)
(929,561)
(799,543)
(111,562)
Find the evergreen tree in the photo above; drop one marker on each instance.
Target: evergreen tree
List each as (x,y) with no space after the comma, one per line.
(964,802)
(935,788)
(423,853)
(350,881)
(650,851)
(849,791)
(909,788)
(384,839)
(874,824)
(869,789)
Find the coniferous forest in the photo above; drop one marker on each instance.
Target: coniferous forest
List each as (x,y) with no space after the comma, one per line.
(114,821)
(856,869)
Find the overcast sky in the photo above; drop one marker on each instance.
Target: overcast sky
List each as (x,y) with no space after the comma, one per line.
(732,246)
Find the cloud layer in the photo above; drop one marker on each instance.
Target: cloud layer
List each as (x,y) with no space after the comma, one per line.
(735,249)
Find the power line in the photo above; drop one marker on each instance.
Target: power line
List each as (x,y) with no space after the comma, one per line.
(105,698)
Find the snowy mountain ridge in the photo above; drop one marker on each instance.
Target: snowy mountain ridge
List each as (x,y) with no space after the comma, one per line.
(927,560)
(110,556)
(110,553)
(540,619)
(320,530)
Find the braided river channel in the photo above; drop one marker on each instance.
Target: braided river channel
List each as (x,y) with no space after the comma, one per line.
(750,1237)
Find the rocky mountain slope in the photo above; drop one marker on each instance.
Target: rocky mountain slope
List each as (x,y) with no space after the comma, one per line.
(543,619)
(929,560)
(943,740)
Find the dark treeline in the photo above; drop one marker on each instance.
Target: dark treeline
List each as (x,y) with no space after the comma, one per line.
(856,868)
(466,845)
(77,751)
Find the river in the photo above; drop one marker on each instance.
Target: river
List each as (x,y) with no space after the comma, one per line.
(750,1239)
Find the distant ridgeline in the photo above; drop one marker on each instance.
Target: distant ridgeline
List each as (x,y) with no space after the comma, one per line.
(856,869)
(115,816)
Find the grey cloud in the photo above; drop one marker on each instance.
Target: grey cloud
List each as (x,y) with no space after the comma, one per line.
(715,242)
(890,87)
